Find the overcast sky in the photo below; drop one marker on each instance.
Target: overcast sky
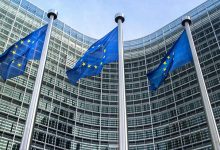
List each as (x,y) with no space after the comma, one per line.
(95,18)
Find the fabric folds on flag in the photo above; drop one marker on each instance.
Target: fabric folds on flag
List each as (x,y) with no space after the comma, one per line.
(179,55)
(102,52)
(13,61)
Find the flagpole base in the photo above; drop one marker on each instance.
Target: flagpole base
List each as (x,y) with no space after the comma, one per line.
(52,12)
(186,19)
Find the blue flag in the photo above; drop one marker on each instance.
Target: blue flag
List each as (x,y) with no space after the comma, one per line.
(13,61)
(102,52)
(179,55)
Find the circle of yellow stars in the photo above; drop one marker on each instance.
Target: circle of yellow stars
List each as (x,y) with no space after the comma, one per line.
(165,63)
(95,66)
(16,47)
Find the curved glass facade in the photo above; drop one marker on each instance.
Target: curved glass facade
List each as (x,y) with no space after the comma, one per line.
(85,116)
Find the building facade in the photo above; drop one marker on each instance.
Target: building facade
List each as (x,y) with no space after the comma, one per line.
(85,116)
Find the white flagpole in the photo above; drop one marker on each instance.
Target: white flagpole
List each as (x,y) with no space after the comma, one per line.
(29,126)
(123,133)
(207,105)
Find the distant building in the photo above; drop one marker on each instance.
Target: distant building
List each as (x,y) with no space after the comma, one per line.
(85,117)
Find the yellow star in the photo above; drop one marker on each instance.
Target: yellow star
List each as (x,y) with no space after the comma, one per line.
(95,67)
(83,64)
(165,63)
(164,69)
(16,46)
(168,57)
(13,52)
(101,63)
(22,42)
(104,50)
(29,41)
(19,65)
(89,66)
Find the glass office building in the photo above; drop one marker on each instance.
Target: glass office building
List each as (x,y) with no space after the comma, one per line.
(85,116)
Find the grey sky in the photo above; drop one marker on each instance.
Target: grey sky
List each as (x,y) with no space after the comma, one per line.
(95,18)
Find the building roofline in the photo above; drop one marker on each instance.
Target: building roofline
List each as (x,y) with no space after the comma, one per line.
(131,44)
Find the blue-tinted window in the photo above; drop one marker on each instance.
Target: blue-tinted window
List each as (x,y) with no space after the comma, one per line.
(73,33)
(59,24)
(45,18)
(32,9)
(39,13)
(67,29)
(25,4)
(16,1)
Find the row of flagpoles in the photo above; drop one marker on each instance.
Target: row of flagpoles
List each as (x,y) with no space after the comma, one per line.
(106,50)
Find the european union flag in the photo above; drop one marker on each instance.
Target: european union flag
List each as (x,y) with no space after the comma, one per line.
(13,61)
(102,52)
(177,56)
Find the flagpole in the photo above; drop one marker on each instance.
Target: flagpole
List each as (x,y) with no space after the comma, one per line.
(207,105)
(29,126)
(123,133)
